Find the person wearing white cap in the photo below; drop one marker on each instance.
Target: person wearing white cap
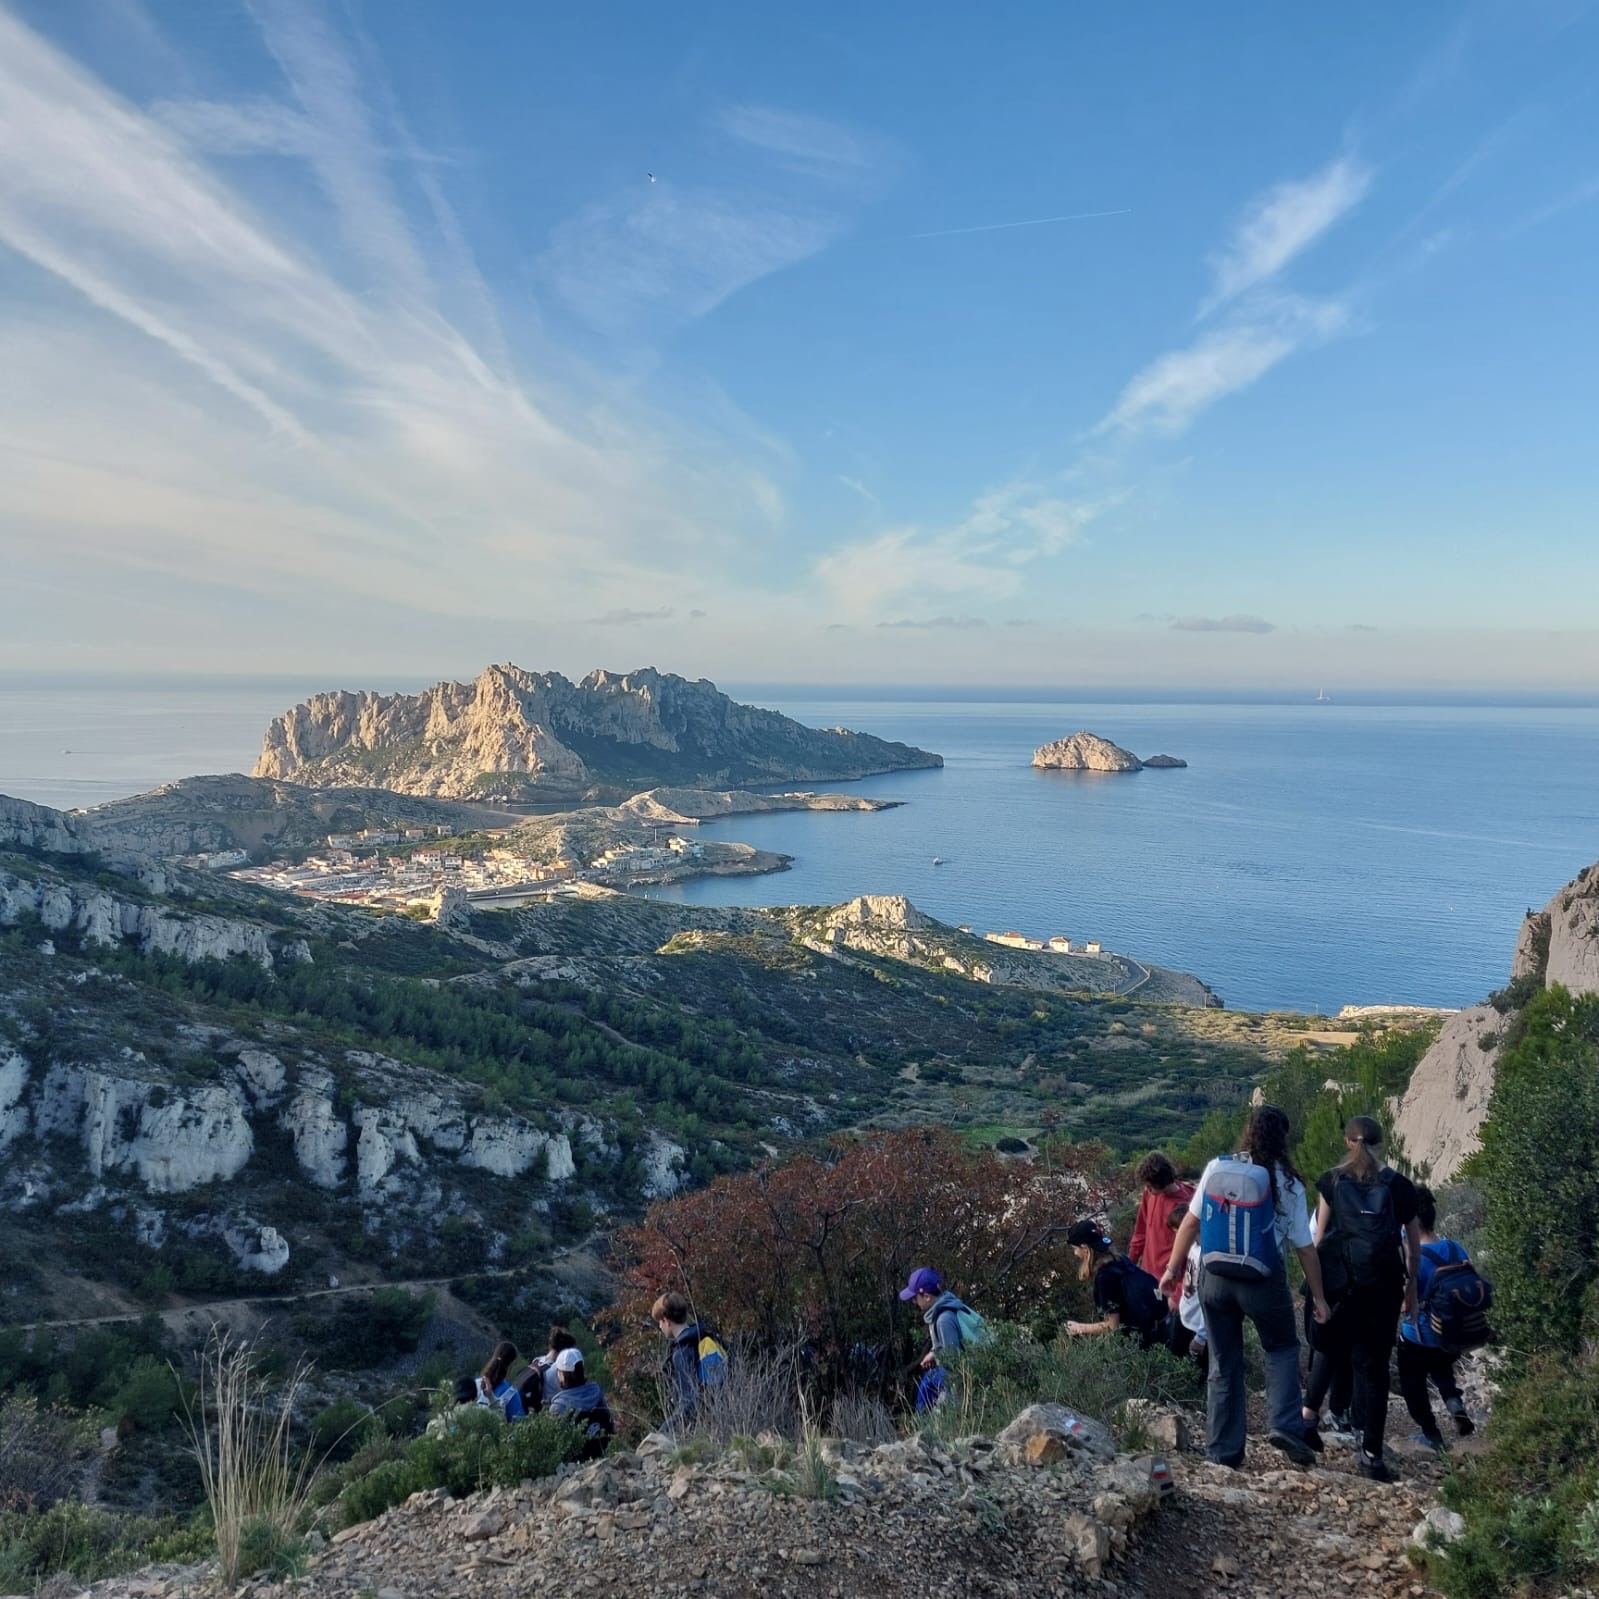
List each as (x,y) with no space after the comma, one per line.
(583,1401)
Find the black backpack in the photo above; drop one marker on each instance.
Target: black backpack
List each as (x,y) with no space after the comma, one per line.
(1142,1305)
(1365,1228)
(1457,1305)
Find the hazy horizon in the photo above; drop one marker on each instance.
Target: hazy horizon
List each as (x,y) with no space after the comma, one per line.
(901,345)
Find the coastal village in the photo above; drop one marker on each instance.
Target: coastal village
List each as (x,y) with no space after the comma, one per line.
(400,869)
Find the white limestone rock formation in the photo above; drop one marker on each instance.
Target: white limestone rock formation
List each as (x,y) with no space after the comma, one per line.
(512,733)
(1085,752)
(1443,1105)
(1573,921)
(101,917)
(256,1248)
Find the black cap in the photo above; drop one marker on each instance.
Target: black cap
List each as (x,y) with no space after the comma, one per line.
(1088,1232)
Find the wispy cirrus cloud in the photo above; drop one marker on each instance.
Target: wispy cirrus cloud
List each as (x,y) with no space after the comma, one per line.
(1282,223)
(983,554)
(664,251)
(806,144)
(201,388)
(1174,389)
(1263,325)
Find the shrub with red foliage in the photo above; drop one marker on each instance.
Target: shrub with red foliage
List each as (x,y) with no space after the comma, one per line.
(819,1245)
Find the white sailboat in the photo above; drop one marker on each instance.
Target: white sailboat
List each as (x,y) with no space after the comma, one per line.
(1323,697)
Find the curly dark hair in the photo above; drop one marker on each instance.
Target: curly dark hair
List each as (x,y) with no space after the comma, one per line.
(1266,1139)
(1155,1171)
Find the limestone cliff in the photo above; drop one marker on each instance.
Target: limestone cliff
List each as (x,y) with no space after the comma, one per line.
(517,734)
(107,919)
(1442,1108)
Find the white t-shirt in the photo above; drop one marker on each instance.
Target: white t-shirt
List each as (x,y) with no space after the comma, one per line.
(1292,1221)
(1189,1310)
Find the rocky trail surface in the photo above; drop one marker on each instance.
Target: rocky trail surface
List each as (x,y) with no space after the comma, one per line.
(1042,1510)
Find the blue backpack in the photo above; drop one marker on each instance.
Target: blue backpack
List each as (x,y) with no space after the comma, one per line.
(1237,1221)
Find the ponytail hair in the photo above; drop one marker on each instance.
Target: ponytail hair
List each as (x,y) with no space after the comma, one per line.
(1266,1141)
(1366,1135)
(499,1364)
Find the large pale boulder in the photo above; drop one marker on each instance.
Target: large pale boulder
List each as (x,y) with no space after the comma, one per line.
(1085,752)
(1078,1433)
(1444,1104)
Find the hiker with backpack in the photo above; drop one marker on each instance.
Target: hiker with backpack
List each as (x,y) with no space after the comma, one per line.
(1248,1210)
(1451,1317)
(952,1324)
(1125,1296)
(582,1399)
(1370,1247)
(695,1358)
(538,1382)
(1160,1213)
(493,1391)
(1186,1336)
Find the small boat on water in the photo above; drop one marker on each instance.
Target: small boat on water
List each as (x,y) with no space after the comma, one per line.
(938,860)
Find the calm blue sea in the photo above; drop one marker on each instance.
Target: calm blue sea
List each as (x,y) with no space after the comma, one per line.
(1310,856)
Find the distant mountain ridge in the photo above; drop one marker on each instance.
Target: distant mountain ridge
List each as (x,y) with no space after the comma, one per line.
(519,735)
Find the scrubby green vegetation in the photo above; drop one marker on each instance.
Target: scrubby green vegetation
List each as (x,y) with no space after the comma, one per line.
(1531,1502)
(120,1375)
(990,1383)
(90,1543)
(1369,1071)
(470,1449)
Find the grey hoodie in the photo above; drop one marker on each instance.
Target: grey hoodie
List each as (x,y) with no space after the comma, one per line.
(943,1322)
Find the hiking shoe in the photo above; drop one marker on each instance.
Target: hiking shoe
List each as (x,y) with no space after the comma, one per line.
(1464,1425)
(1375,1469)
(1313,1437)
(1338,1421)
(1297,1449)
(1430,1440)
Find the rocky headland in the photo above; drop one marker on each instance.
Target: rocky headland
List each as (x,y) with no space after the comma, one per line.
(262,815)
(1088,752)
(528,736)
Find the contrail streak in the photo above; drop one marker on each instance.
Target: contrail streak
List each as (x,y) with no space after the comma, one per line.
(1031,222)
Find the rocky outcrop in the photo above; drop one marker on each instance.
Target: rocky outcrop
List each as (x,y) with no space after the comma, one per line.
(1085,752)
(100,917)
(24,825)
(1442,1108)
(171,1138)
(1573,919)
(512,733)
(1444,1104)
(1157,763)
(169,1141)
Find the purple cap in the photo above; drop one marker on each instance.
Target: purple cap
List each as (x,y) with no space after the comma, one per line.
(924,1280)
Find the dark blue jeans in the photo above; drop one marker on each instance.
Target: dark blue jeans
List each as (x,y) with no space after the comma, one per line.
(1269,1305)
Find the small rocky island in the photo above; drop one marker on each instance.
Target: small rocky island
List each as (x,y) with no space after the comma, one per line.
(1088,752)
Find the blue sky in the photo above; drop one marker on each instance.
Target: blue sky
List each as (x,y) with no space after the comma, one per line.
(358,338)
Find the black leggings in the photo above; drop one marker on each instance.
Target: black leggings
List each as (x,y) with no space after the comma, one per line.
(1417,1364)
(1357,1340)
